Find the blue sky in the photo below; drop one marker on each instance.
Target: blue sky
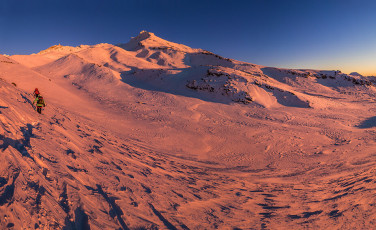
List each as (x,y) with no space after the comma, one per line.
(320,34)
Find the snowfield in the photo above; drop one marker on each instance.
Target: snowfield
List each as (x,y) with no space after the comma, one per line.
(153,134)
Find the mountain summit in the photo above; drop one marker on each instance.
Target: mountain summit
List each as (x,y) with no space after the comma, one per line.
(148,40)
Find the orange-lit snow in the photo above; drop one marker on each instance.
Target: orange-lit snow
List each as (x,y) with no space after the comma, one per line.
(153,134)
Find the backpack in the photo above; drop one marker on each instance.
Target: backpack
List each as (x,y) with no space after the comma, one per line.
(40,100)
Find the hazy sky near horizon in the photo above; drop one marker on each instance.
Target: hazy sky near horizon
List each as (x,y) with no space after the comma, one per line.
(317,34)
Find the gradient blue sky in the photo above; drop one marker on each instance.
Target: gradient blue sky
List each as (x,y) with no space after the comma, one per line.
(320,34)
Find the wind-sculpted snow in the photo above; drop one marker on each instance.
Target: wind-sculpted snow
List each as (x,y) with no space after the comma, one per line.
(64,172)
(156,135)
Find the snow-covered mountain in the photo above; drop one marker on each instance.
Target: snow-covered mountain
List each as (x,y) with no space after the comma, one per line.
(152,134)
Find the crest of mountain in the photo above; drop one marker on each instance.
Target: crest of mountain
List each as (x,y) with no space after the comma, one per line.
(356,74)
(150,41)
(48,55)
(62,49)
(150,62)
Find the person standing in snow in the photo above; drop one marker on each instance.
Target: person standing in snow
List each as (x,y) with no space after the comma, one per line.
(40,103)
(36,92)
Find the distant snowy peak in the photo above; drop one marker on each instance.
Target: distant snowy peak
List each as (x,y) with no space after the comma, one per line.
(148,40)
(356,74)
(65,49)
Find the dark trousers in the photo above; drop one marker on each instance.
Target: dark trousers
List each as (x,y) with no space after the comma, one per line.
(39,109)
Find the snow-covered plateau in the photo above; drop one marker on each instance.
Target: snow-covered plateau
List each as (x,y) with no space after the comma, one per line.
(152,134)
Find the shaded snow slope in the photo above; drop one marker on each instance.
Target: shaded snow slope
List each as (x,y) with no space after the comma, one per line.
(156,135)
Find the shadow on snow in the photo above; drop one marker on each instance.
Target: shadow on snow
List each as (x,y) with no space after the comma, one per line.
(20,144)
(368,123)
(161,81)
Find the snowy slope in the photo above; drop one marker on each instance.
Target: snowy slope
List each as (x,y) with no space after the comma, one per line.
(48,55)
(153,134)
(152,63)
